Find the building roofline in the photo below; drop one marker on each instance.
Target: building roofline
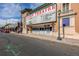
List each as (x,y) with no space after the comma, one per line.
(26,10)
(42,7)
(36,9)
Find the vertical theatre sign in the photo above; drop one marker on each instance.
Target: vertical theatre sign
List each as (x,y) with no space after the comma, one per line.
(41,16)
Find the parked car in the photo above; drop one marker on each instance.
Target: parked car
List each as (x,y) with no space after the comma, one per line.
(6,31)
(1,30)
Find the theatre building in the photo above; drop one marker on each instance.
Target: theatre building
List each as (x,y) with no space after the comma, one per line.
(44,19)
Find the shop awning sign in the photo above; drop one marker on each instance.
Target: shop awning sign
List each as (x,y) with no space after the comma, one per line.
(46,15)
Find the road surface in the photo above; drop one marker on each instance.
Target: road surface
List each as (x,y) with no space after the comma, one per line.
(12,45)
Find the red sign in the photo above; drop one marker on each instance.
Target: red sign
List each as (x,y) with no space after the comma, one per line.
(50,8)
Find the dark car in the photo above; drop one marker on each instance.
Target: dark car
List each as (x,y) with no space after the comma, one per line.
(1,30)
(7,31)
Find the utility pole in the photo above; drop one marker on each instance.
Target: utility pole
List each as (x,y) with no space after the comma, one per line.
(59,38)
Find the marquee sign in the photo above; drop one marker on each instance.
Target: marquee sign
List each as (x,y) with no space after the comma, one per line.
(45,15)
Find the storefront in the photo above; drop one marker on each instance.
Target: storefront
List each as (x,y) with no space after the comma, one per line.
(44,29)
(42,21)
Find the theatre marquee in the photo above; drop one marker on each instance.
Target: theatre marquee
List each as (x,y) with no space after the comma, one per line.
(47,14)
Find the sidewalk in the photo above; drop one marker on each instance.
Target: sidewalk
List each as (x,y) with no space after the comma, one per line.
(70,41)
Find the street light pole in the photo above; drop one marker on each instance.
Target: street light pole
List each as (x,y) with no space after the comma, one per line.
(59,38)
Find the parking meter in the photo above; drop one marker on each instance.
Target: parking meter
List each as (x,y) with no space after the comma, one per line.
(64,30)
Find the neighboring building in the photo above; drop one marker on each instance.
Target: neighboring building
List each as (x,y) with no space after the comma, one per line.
(24,13)
(10,26)
(44,19)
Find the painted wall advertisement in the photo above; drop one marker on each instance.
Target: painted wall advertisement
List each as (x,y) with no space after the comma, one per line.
(45,15)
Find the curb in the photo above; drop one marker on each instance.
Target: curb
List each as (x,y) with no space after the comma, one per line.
(54,39)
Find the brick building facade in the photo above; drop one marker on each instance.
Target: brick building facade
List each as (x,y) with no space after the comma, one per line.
(37,22)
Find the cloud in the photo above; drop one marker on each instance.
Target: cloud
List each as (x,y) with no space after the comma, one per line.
(12,20)
(10,10)
(2,22)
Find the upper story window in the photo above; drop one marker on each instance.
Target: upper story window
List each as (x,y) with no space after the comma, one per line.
(65,7)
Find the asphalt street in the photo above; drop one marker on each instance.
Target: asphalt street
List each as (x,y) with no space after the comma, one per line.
(18,45)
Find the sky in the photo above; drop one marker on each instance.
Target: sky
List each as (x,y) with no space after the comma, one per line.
(10,12)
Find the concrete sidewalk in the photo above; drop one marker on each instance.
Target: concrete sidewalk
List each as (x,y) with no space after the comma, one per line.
(70,41)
